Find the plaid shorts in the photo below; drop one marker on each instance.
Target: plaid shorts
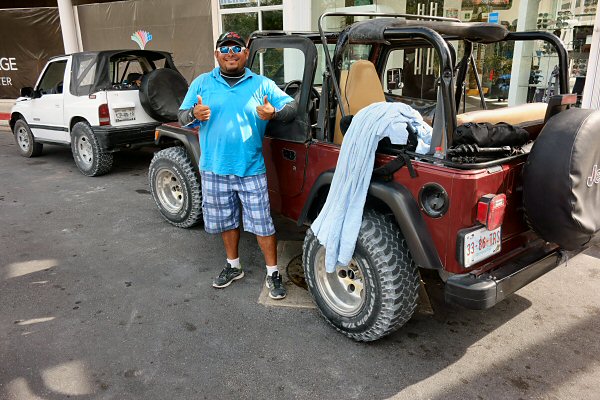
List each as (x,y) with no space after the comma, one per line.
(221,197)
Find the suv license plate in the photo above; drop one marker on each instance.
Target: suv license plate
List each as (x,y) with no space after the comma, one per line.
(124,114)
(481,244)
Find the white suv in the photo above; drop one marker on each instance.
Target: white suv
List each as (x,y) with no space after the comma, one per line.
(98,103)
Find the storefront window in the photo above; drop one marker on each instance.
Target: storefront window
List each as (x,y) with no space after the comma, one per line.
(242,23)
(280,65)
(246,17)
(571,20)
(225,4)
(272,20)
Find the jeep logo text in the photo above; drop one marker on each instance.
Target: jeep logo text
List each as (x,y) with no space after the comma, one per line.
(595,178)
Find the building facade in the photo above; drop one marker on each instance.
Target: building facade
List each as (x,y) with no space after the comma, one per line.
(510,74)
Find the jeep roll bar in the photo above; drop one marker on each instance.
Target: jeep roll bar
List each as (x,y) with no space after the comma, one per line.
(328,61)
(455,30)
(448,124)
(559,46)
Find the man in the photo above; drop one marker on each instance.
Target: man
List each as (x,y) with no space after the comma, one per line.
(232,106)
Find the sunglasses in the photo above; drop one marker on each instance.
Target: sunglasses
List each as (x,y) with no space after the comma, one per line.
(232,49)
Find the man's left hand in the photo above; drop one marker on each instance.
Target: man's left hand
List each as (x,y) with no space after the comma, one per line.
(266,111)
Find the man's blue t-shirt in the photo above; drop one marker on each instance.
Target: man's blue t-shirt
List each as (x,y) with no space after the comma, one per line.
(231,140)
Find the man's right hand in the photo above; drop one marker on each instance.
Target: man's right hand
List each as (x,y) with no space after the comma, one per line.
(201,111)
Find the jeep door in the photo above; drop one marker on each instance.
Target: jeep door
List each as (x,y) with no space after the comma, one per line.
(48,105)
(290,61)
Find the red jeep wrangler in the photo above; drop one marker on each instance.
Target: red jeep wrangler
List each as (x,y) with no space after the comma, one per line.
(489,220)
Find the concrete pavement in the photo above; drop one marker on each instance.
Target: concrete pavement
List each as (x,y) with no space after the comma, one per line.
(100,298)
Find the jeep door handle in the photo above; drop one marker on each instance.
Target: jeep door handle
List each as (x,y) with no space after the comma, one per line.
(289,154)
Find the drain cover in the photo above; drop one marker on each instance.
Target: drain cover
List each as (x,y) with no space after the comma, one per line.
(295,272)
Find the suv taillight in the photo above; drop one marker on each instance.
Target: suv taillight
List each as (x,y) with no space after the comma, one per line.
(490,210)
(103,114)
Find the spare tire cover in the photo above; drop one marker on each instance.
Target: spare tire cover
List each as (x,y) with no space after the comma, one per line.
(561,180)
(161,93)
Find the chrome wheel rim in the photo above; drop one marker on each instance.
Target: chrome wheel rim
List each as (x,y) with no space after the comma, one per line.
(169,191)
(23,139)
(84,148)
(344,289)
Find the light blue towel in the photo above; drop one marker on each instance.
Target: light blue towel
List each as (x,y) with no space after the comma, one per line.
(338,224)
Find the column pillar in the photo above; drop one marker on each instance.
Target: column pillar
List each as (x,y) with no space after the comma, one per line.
(67,26)
(296,15)
(521,66)
(591,90)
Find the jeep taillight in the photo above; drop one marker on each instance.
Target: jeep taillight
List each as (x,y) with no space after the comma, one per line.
(103,114)
(490,210)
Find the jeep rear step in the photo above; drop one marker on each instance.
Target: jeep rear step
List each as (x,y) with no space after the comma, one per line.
(480,291)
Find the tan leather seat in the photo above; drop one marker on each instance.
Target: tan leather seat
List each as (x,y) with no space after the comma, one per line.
(532,112)
(359,88)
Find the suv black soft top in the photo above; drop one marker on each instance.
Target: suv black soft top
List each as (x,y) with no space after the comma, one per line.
(371,31)
(91,72)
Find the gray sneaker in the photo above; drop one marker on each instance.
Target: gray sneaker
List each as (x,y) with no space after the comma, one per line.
(275,285)
(227,276)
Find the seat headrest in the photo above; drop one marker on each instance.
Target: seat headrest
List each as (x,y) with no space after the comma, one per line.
(133,76)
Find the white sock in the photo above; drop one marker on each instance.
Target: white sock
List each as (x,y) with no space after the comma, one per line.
(271,269)
(234,263)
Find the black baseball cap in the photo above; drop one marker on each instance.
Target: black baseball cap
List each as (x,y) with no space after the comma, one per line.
(229,37)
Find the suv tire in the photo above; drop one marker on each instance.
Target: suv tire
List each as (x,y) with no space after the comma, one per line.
(377,292)
(25,140)
(175,187)
(89,157)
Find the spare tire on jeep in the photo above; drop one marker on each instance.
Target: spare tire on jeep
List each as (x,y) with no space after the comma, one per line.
(561,180)
(162,92)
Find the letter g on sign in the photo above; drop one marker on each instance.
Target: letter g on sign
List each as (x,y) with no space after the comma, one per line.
(8,64)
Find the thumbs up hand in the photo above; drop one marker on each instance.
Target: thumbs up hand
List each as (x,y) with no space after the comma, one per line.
(201,111)
(266,111)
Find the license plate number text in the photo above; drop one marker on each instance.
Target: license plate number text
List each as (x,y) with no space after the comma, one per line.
(124,114)
(481,244)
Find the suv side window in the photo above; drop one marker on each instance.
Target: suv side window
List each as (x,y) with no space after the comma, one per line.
(52,81)
(290,62)
(280,65)
(124,67)
(420,70)
(416,72)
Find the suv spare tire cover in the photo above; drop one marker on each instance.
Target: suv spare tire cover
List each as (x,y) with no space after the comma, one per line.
(162,92)
(561,180)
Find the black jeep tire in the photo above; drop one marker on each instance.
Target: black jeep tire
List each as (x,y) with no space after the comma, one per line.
(25,141)
(89,157)
(377,293)
(175,187)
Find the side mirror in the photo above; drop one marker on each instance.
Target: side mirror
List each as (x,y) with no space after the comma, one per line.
(27,92)
(394,79)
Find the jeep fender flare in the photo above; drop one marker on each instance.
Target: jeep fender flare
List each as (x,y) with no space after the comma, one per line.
(406,212)
(187,137)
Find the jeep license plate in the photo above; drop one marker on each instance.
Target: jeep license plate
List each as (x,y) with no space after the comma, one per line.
(481,244)
(124,114)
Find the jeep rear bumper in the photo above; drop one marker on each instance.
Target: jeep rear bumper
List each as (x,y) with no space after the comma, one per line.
(113,138)
(484,290)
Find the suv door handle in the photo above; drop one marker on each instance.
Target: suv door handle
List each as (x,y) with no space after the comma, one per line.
(289,154)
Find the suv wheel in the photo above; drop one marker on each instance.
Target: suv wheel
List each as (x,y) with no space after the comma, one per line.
(88,156)
(25,140)
(377,292)
(175,186)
